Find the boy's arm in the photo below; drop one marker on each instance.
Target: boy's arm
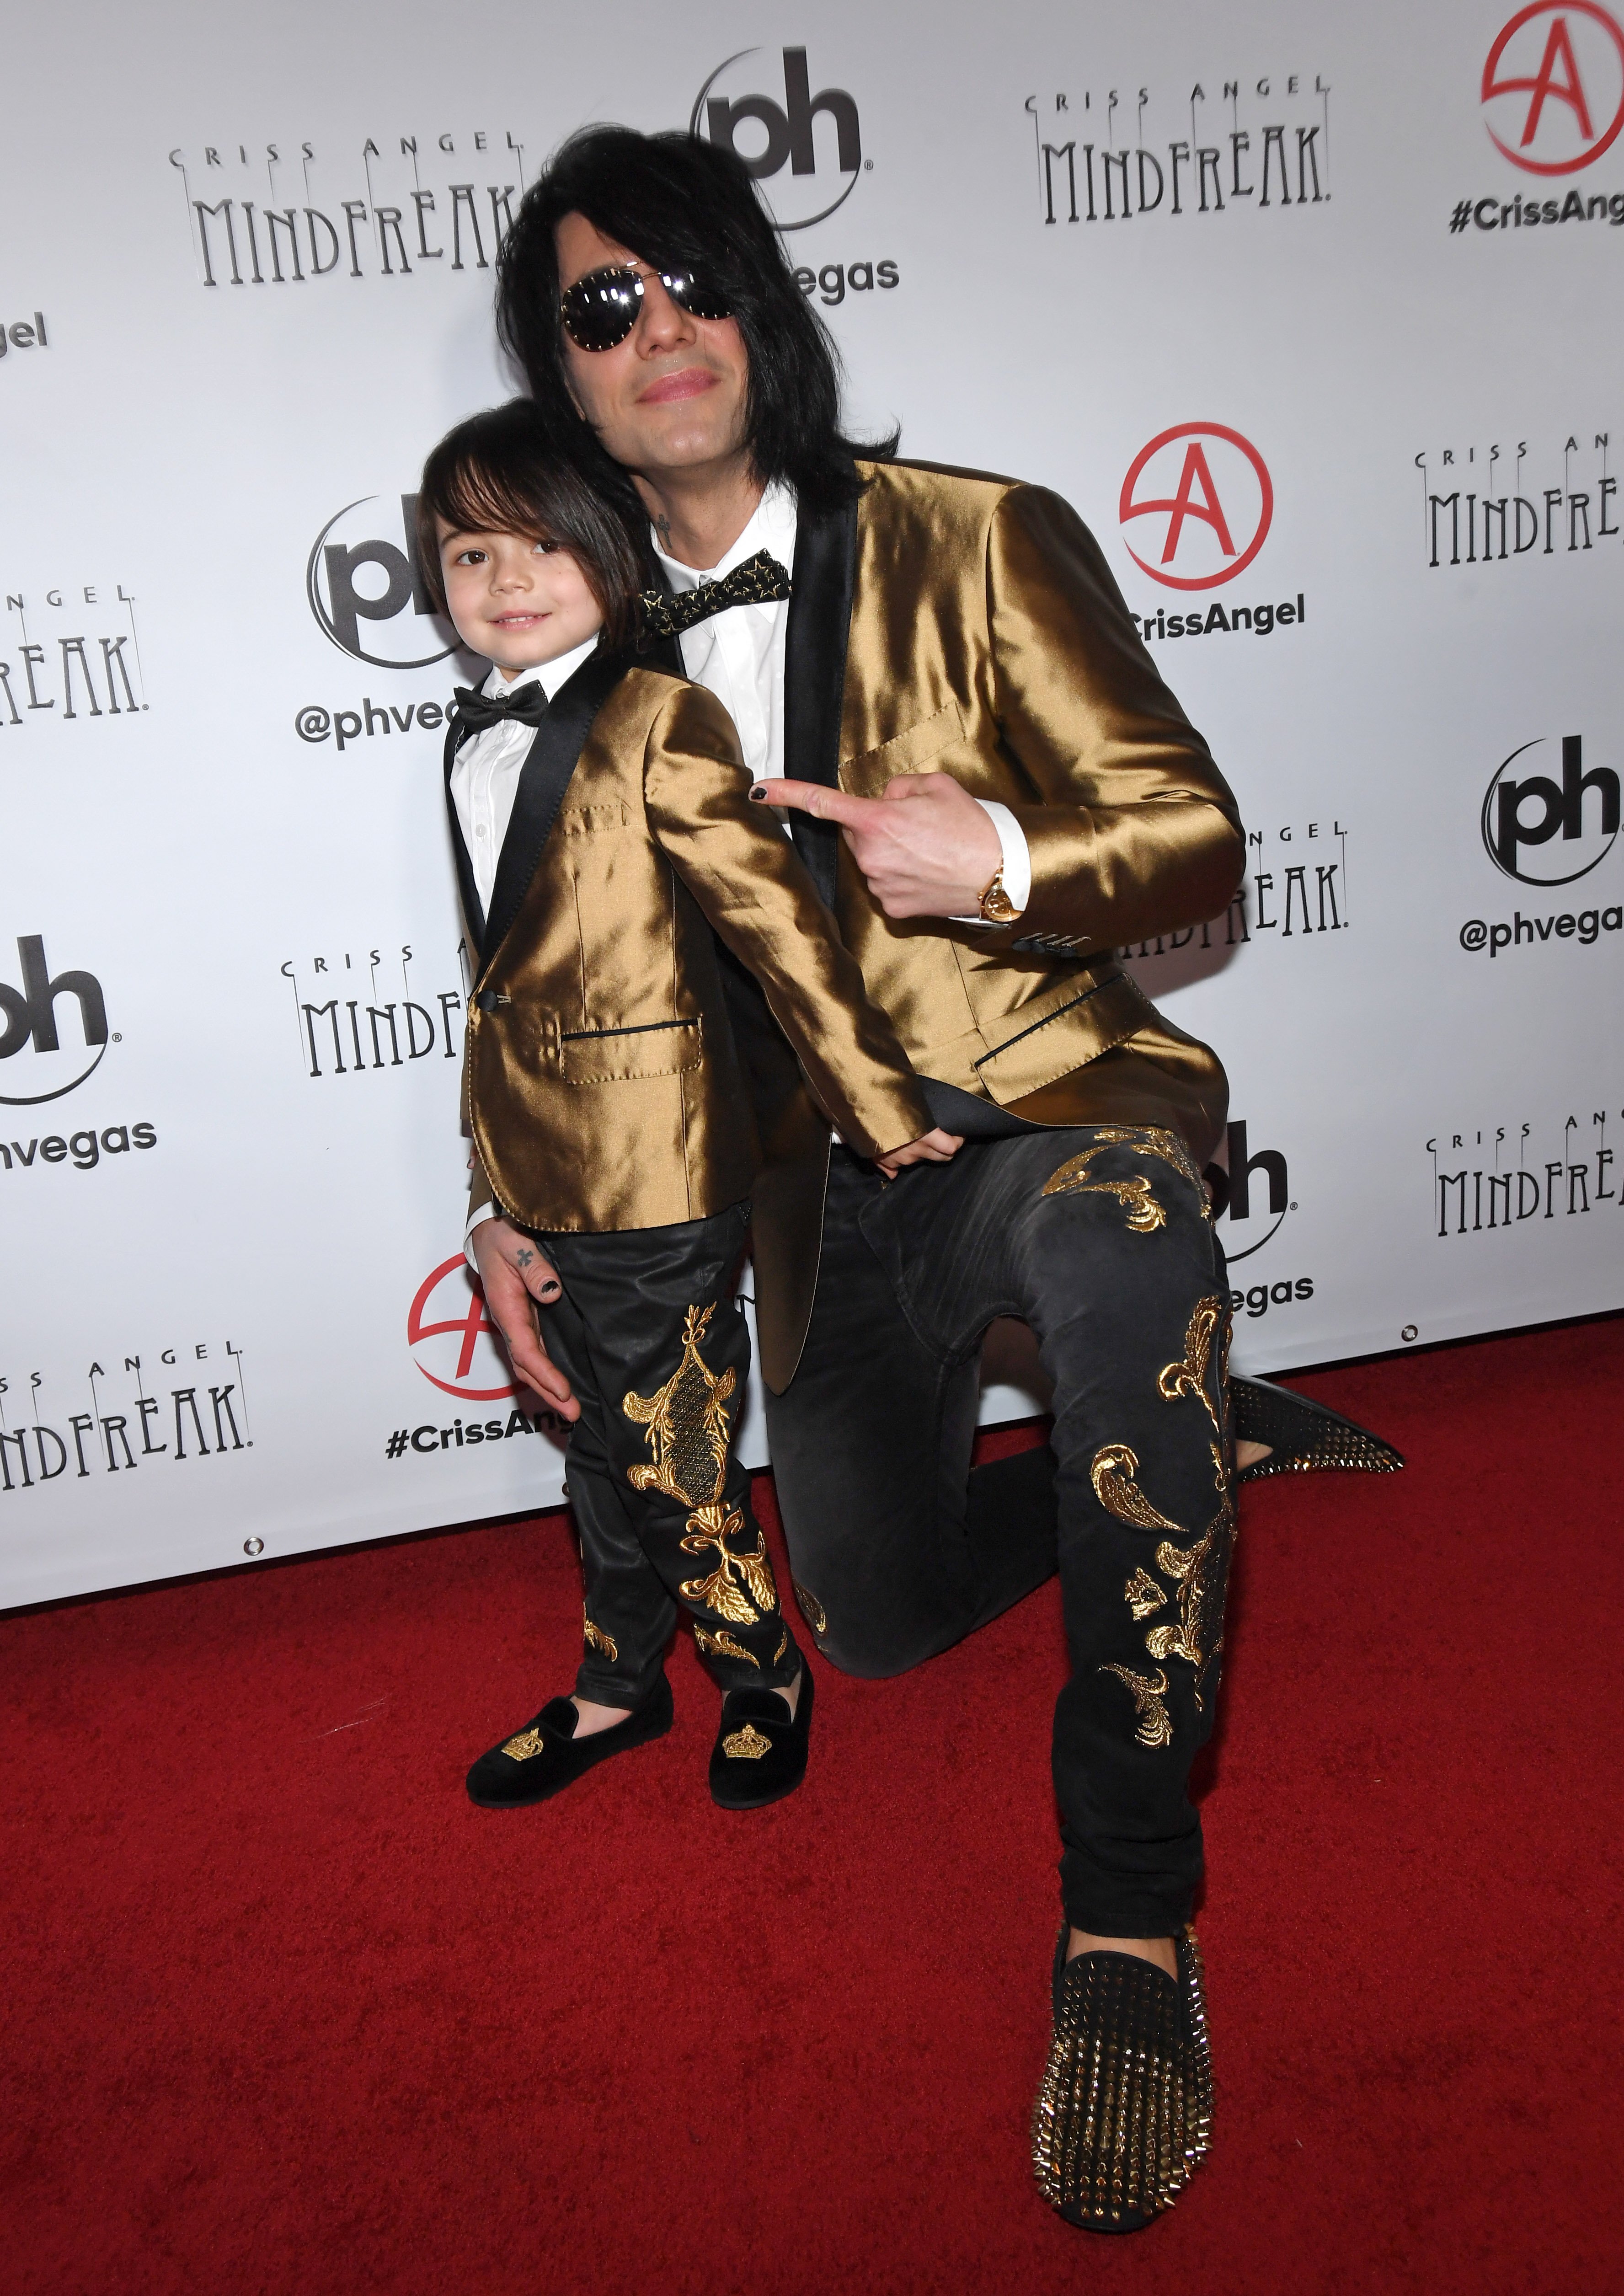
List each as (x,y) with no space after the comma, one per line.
(749,881)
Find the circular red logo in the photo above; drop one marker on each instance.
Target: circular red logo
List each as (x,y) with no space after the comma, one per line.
(1212,487)
(1555,79)
(463,1358)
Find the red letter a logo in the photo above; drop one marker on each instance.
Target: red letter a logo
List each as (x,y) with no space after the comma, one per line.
(1569,90)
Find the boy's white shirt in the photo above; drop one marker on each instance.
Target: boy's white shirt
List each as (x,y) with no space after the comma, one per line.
(485,777)
(739,655)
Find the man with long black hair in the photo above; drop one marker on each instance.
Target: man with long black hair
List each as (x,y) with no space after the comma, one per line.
(933,674)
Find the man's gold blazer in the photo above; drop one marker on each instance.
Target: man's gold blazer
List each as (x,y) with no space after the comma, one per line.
(947,622)
(603,1088)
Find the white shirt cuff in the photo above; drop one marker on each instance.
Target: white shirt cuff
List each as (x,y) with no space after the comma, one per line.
(1017,855)
(486,1212)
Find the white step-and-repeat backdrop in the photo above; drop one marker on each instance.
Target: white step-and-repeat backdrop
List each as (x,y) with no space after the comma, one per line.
(1314,312)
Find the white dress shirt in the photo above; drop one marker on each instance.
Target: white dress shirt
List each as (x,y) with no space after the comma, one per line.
(739,655)
(485,777)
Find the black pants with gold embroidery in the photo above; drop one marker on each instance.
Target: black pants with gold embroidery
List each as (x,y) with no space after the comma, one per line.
(651,1338)
(1098,1238)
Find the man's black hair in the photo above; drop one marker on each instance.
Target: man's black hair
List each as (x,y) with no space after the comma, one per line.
(682,205)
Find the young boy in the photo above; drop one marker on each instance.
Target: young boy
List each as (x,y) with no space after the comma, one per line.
(605,841)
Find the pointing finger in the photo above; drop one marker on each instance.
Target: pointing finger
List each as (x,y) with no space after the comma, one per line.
(823,804)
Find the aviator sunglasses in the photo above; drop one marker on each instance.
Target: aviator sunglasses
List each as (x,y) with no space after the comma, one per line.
(601,311)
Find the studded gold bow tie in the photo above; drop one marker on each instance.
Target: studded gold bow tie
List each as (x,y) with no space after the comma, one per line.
(757,582)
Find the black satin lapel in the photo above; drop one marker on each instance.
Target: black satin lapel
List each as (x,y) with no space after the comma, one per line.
(663,653)
(823,581)
(544,775)
(473,910)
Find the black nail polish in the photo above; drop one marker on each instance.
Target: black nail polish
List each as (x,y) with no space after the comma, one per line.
(759,794)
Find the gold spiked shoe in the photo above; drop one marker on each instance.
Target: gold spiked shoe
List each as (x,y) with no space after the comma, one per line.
(1304,1437)
(1124,2116)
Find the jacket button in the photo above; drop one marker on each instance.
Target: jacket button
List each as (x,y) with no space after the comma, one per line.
(488,1000)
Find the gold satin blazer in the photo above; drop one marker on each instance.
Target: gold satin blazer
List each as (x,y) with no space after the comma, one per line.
(950,622)
(603,1086)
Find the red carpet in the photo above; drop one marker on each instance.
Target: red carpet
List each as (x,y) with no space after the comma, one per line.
(285,2014)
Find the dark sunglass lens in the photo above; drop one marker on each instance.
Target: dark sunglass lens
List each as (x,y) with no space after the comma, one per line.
(702,298)
(601,311)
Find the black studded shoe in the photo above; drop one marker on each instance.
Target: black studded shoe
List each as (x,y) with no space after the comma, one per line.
(1124,2116)
(1304,1437)
(546,1755)
(760,1754)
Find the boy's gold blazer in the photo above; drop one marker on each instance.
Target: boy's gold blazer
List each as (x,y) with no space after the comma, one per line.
(603,1089)
(949,622)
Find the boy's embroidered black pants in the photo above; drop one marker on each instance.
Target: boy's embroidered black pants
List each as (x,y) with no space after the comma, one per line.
(650,1336)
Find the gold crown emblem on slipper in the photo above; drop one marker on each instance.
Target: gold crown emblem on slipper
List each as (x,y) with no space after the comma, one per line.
(745,1746)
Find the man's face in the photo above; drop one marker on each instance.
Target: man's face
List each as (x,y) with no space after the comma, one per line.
(672,396)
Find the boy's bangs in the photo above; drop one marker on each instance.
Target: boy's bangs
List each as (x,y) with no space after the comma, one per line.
(474,499)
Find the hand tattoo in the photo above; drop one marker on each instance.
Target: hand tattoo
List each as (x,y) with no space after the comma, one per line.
(524,1257)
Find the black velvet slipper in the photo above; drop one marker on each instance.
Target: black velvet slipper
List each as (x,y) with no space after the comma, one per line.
(546,1755)
(759,1754)
(1124,2117)
(1305,1438)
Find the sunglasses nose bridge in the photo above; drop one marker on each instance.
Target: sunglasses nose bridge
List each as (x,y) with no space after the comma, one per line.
(661,317)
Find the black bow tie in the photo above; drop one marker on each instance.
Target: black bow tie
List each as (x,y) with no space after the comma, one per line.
(757,582)
(526,705)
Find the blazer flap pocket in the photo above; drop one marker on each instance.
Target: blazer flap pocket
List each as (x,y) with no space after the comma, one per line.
(1080,1023)
(649,1048)
(867,775)
(593,820)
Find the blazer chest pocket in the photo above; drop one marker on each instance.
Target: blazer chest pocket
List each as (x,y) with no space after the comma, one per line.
(650,1048)
(911,752)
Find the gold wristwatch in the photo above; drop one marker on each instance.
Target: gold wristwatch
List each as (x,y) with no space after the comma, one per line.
(995,906)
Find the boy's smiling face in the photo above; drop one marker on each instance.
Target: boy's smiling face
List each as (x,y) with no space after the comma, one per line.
(515,600)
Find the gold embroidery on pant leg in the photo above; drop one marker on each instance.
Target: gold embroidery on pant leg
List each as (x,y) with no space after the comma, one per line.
(710,1527)
(596,1639)
(690,1433)
(1189,1376)
(1142,1595)
(522,1748)
(1202,1572)
(1154,1140)
(1145,1214)
(722,1646)
(746,1745)
(811,1610)
(783,1646)
(687,1424)
(1148,1691)
(1111,1473)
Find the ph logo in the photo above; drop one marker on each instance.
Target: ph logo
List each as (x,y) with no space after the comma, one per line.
(1588,829)
(824,169)
(1232,1194)
(1553,90)
(1213,488)
(31,1018)
(465,1338)
(353,576)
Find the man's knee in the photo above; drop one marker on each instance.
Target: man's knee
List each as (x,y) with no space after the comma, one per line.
(871,1658)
